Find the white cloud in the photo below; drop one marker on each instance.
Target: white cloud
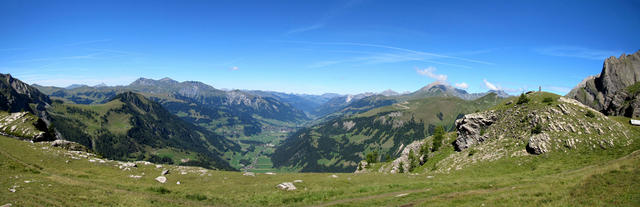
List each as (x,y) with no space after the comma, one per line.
(462,85)
(491,86)
(234,68)
(429,72)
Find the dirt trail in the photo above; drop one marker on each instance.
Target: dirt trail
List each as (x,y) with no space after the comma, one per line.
(391,194)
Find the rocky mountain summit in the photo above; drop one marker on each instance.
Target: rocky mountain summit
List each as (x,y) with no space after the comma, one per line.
(616,90)
(16,96)
(446,90)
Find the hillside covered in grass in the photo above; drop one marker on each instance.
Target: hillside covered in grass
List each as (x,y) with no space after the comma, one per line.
(132,127)
(520,128)
(38,174)
(339,144)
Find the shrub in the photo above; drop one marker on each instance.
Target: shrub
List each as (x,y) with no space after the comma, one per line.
(523,99)
(401,168)
(413,161)
(537,129)
(159,190)
(196,197)
(547,100)
(372,157)
(438,135)
(472,152)
(590,114)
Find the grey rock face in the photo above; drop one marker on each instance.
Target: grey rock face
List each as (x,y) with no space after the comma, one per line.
(404,157)
(538,144)
(470,129)
(607,92)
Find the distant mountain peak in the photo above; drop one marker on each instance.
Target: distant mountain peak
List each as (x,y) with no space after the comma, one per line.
(500,93)
(100,85)
(389,92)
(167,79)
(436,85)
(72,86)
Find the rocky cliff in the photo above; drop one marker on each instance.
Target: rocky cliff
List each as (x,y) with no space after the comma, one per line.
(17,96)
(615,90)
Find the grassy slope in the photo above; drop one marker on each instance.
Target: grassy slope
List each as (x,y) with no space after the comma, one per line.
(333,147)
(21,127)
(111,118)
(556,179)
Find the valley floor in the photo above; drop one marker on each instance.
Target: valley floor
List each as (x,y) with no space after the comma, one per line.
(42,175)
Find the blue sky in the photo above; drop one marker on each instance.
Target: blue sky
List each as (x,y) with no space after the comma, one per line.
(317,46)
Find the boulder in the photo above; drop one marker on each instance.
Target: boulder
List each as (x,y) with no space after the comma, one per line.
(539,144)
(288,186)
(164,172)
(161,179)
(297,181)
(249,174)
(470,129)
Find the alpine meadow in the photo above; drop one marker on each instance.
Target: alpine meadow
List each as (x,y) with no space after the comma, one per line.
(319,103)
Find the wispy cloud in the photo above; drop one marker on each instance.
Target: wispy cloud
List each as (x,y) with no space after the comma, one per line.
(75,57)
(305,28)
(95,54)
(63,80)
(234,68)
(12,49)
(578,52)
(325,18)
(87,42)
(462,85)
(490,85)
(430,72)
(391,55)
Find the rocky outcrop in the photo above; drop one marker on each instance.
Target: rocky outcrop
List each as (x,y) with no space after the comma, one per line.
(404,157)
(69,145)
(609,91)
(362,167)
(538,144)
(471,129)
